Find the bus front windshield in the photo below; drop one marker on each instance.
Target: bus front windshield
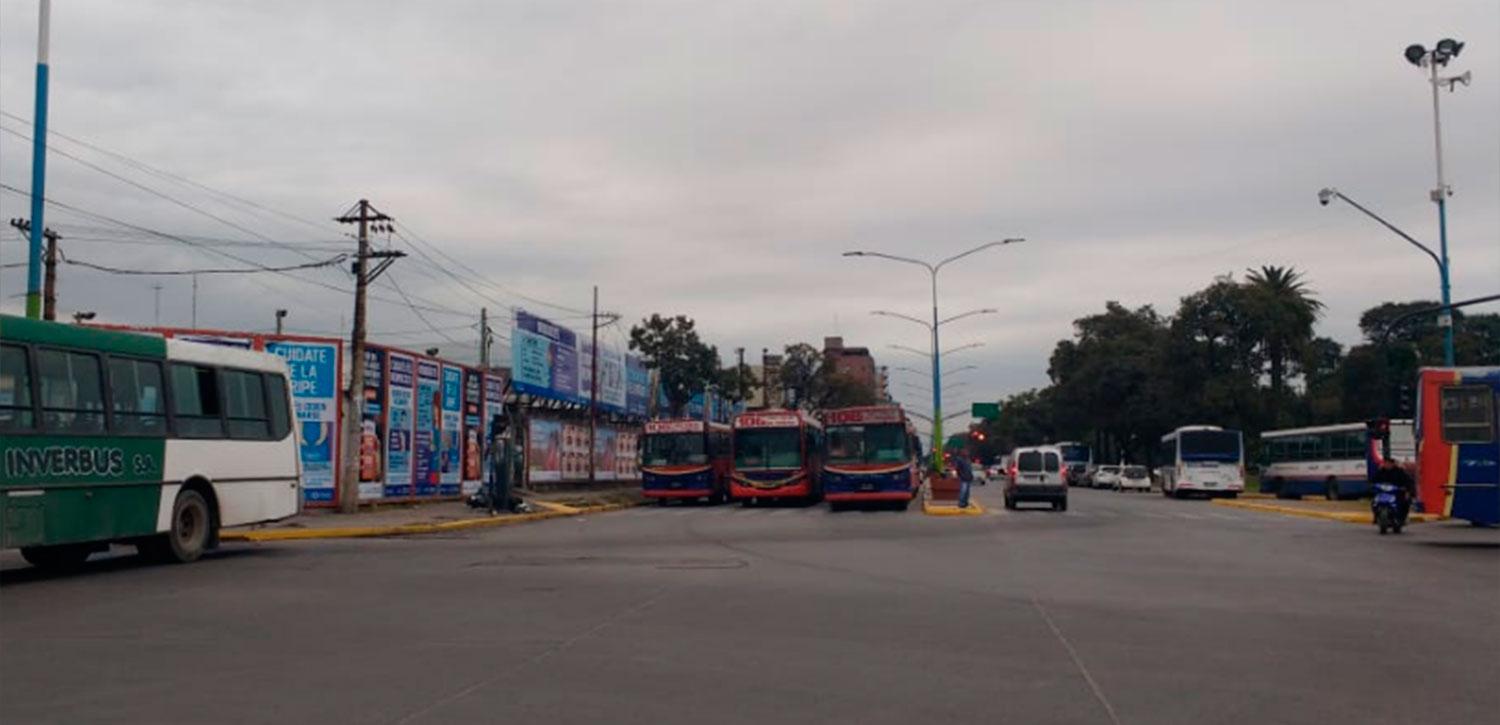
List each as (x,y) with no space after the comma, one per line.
(884,443)
(674,449)
(1075,454)
(1210,445)
(767,448)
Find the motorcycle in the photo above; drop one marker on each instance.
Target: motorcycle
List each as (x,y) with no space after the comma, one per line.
(1387,508)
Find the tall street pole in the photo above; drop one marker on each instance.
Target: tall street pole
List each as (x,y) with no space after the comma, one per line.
(937,385)
(593,381)
(348,482)
(1440,195)
(38,166)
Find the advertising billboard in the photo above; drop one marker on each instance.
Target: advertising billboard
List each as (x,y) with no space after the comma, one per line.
(550,361)
(314,372)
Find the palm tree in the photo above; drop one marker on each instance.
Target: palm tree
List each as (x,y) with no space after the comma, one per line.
(1284,312)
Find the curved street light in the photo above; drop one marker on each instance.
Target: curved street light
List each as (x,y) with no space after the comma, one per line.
(1445,319)
(936,354)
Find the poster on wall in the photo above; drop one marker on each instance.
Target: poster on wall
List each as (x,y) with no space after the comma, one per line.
(427,447)
(544,450)
(398,449)
(544,359)
(605,454)
(627,456)
(450,432)
(473,431)
(372,427)
(314,373)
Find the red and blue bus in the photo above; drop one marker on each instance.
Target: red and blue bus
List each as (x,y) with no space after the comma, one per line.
(1458,454)
(777,454)
(870,456)
(685,459)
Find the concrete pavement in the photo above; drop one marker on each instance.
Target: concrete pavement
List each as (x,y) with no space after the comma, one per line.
(1127,608)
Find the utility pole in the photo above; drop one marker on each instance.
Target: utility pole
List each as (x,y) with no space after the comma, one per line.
(484,338)
(280,315)
(364,215)
(156,307)
(765,380)
(194,324)
(38,162)
(593,381)
(739,372)
(49,262)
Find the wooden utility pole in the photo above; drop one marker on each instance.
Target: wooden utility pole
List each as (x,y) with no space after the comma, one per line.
(593,381)
(364,215)
(739,373)
(49,266)
(484,338)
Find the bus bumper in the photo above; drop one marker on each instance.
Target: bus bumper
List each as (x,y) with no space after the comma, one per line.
(798,490)
(839,496)
(677,492)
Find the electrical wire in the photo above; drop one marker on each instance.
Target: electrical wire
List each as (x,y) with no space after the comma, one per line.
(170,272)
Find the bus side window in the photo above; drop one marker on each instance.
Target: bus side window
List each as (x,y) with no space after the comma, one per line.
(195,402)
(245,405)
(137,396)
(1468,413)
(72,391)
(281,420)
(15,390)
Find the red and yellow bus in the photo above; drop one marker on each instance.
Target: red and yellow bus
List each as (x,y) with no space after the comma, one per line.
(777,454)
(685,459)
(1458,444)
(871,456)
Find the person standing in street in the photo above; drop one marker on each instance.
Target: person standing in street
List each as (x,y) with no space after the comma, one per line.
(965,479)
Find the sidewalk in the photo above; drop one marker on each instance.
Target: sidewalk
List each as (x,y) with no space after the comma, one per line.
(405,519)
(1352,512)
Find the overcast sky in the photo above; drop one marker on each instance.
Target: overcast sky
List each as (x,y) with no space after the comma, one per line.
(713,159)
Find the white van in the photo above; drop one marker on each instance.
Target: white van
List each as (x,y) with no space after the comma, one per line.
(1039,476)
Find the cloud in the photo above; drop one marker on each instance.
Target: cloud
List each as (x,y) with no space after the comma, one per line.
(714,159)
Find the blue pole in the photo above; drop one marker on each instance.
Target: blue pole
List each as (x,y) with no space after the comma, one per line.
(937,388)
(1448,357)
(38,169)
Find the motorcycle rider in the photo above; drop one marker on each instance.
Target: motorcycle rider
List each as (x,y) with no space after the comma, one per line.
(1393,473)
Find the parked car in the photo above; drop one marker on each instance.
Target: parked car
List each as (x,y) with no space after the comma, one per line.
(1133,478)
(1039,476)
(1107,477)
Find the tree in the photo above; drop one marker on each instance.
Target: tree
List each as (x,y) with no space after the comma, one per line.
(814,384)
(1281,310)
(685,365)
(738,383)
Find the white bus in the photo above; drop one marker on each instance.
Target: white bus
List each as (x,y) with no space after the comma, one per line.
(1202,459)
(116,437)
(1078,462)
(1334,461)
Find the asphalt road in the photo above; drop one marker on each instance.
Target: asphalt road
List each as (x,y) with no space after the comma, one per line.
(1128,608)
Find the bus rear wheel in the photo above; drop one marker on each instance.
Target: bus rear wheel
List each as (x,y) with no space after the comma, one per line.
(61,557)
(192,525)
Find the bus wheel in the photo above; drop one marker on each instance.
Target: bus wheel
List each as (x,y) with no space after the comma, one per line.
(190,532)
(1332,492)
(62,557)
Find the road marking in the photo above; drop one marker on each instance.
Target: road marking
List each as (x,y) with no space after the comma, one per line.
(1194,517)
(1077,661)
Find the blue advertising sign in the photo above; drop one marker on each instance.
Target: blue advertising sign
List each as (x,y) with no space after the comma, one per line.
(398,448)
(429,403)
(637,387)
(314,369)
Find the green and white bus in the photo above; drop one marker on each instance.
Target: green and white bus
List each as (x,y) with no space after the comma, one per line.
(116,437)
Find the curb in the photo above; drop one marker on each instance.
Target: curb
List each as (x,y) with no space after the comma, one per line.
(1348,517)
(554,511)
(974,509)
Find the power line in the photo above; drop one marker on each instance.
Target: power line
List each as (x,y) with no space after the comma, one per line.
(168,272)
(184,240)
(414,239)
(163,195)
(162,173)
(418,312)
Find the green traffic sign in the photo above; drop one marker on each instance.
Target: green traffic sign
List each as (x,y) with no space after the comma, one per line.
(986,411)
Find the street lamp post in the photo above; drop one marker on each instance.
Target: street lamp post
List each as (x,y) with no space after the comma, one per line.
(1329,194)
(937,377)
(1446,49)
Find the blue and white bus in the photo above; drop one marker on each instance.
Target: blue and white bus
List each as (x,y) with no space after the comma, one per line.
(1333,461)
(1202,459)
